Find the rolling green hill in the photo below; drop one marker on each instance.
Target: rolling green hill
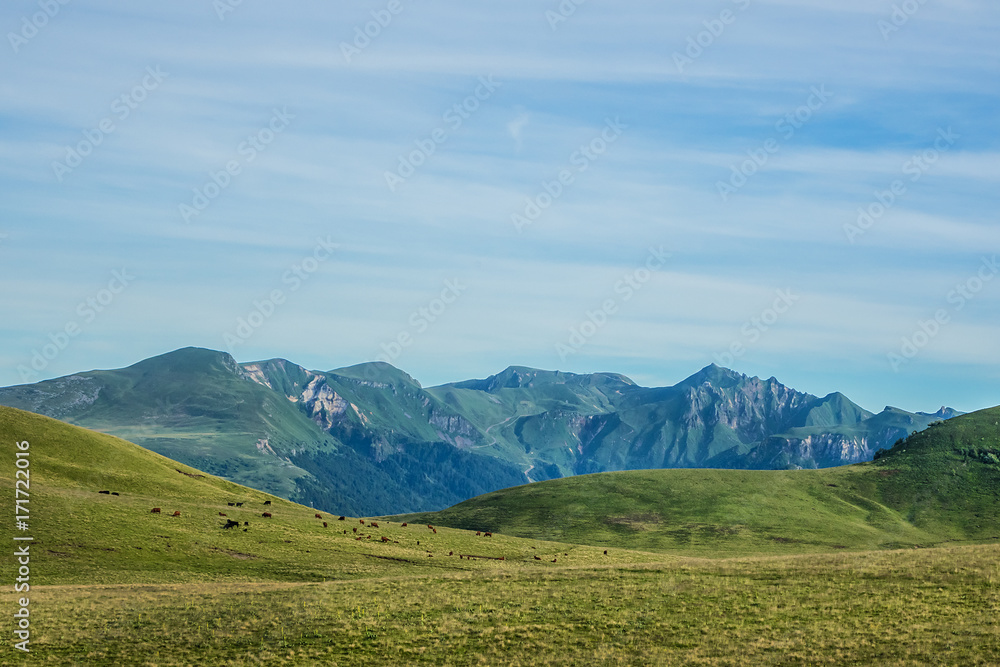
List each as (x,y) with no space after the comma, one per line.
(938,486)
(113,583)
(82,536)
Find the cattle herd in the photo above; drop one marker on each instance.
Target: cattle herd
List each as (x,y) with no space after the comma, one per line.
(231,523)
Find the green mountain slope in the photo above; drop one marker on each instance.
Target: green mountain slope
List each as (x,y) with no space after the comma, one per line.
(371,439)
(83,536)
(940,485)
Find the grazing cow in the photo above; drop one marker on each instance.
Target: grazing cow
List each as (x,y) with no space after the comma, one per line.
(114,493)
(374,525)
(267,502)
(177,513)
(537,558)
(231,524)
(318,516)
(239,504)
(489,534)
(385,539)
(355,530)
(107,492)
(553,560)
(266,515)
(232,504)
(358,538)
(450,553)
(605,552)
(478,533)
(403,526)
(430,526)
(156,510)
(362,521)
(221,514)
(324,524)
(341,518)
(435,530)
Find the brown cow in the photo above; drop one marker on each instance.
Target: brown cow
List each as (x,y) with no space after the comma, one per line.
(478,533)
(489,534)
(355,530)
(430,526)
(403,526)
(324,524)
(221,514)
(156,510)
(537,558)
(319,516)
(435,530)
(362,521)
(385,539)
(266,515)
(177,513)
(553,560)
(450,553)
(374,525)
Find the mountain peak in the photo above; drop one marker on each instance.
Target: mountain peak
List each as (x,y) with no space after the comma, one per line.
(715,375)
(376,371)
(188,359)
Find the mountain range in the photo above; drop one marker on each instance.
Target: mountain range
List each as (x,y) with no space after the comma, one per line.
(370,440)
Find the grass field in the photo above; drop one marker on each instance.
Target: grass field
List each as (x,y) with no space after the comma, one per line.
(935,606)
(649,576)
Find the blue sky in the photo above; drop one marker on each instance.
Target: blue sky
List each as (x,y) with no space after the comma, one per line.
(642,187)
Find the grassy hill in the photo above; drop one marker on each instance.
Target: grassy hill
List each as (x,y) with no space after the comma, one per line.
(83,536)
(938,486)
(133,587)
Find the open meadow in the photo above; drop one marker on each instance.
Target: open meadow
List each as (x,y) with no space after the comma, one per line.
(115,583)
(933,606)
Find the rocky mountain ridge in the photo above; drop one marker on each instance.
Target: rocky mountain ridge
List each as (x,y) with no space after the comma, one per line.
(370,439)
